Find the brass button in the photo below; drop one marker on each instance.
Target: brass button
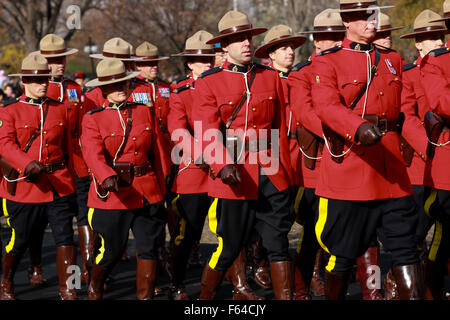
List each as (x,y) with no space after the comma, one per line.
(355,81)
(270,98)
(147,128)
(60,123)
(381,93)
(254,126)
(113,134)
(134,138)
(384,114)
(47,158)
(26,126)
(253,109)
(135,153)
(46,144)
(45,132)
(298,123)
(230,102)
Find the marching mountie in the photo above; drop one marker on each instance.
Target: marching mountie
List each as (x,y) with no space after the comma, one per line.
(122,149)
(279,46)
(38,185)
(328,32)
(435,79)
(243,98)
(66,91)
(363,184)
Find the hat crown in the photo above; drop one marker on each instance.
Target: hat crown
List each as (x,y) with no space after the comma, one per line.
(52,42)
(424,18)
(277,32)
(233,19)
(198,41)
(35,61)
(385,20)
(328,18)
(447,6)
(110,67)
(117,46)
(146,49)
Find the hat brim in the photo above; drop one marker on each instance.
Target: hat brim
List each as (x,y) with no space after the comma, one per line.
(320,32)
(414,34)
(97,83)
(365,9)
(390,29)
(261,52)
(157,59)
(35,75)
(101,57)
(440,20)
(182,54)
(68,52)
(254,32)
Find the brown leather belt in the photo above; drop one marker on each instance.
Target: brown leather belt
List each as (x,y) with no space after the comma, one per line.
(384,125)
(142,170)
(292,135)
(252,145)
(52,167)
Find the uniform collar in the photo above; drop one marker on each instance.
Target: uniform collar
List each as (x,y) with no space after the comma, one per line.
(418,61)
(356,46)
(146,79)
(33,101)
(57,79)
(121,106)
(237,68)
(282,74)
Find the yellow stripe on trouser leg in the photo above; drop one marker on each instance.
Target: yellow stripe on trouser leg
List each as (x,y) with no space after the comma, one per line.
(102,248)
(300,241)
(434,248)
(323,212)
(212,219)
(182,230)
(10,245)
(298,199)
(431,199)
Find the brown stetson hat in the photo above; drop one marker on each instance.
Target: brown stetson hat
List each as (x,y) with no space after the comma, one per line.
(446,12)
(424,24)
(197,46)
(52,46)
(109,71)
(384,24)
(116,48)
(148,52)
(277,35)
(361,5)
(234,22)
(329,20)
(34,65)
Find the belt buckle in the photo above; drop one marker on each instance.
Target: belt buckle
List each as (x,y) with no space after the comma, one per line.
(383,125)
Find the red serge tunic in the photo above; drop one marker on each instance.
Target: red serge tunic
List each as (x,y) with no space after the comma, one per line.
(102,135)
(218,92)
(18,122)
(190,178)
(367,172)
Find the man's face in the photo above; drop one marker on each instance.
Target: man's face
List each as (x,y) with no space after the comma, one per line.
(428,42)
(383,39)
(57,65)
(325,41)
(148,69)
(283,55)
(35,87)
(239,48)
(198,65)
(361,26)
(117,92)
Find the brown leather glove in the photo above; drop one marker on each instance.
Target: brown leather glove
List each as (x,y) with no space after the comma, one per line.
(230,175)
(110,184)
(33,170)
(368,134)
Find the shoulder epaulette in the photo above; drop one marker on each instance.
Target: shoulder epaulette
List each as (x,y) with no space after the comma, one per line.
(90,89)
(409,66)
(182,88)
(259,65)
(210,71)
(178,80)
(301,65)
(439,52)
(163,81)
(54,100)
(8,102)
(95,110)
(331,50)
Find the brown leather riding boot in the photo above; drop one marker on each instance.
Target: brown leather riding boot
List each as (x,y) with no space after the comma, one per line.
(336,285)
(211,280)
(409,281)
(317,284)
(86,242)
(241,290)
(390,287)
(257,262)
(301,288)
(434,280)
(369,258)
(65,257)
(35,269)
(97,279)
(145,278)
(280,272)
(10,263)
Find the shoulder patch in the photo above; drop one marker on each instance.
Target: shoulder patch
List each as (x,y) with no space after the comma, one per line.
(301,65)
(178,80)
(90,89)
(8,102)
(439,52)
(54,100)
(331,50)
(409,66)
(95,110)
(182,88)
(210,71)
(259,65)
